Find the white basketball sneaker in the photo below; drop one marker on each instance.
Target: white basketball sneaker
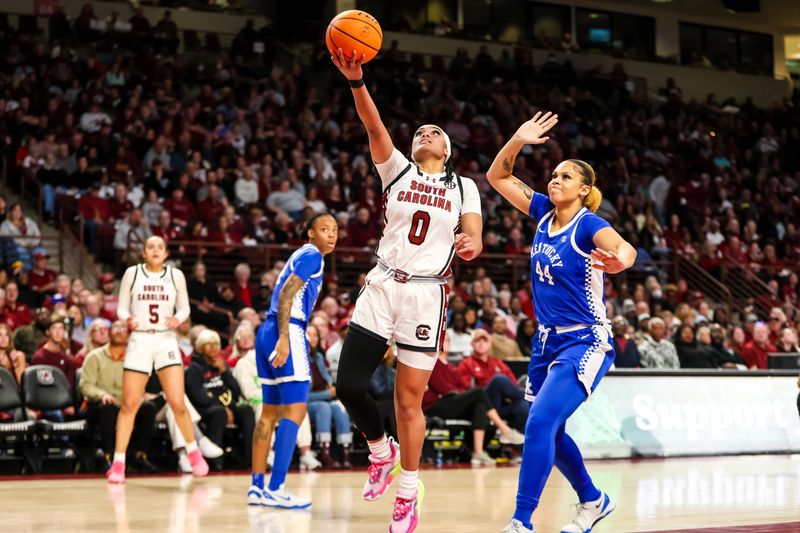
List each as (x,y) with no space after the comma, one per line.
(589,514)
(282,499)
(517,527)
(255,496)
(308,461)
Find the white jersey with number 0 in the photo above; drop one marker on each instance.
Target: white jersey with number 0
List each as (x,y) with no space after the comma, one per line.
(422,214)
(152,298)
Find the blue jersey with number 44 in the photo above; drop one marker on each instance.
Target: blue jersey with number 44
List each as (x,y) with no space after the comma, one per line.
(566,289)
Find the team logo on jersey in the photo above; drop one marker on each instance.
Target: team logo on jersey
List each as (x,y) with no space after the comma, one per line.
(423,332)
(171,356)
(450,184)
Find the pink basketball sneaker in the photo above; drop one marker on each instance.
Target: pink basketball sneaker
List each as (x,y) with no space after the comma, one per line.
(199,465)
(116,474)
(381,473)
(405,517)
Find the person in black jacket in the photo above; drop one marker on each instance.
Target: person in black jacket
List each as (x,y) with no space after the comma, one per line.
(627,354)
(690,353)
(215,393)
(726,356)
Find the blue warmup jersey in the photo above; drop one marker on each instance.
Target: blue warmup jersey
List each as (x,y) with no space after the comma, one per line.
(307,264)
(566,289)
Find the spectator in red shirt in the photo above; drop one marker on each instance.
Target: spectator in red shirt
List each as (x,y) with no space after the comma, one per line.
(223,234)
(181,209)
(777,321)
(363,231)
(22,313)
(120,205)
(446,397)
(166,229)
(41,278)
(210,209)
(242,288)
(110,300)
(733,250)
(52,352)
(95,211)
(755,352)
(499,381)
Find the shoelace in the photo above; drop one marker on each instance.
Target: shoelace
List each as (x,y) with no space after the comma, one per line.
(401,508)
(374,469)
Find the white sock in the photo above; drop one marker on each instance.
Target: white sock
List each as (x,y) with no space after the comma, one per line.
(408,484)
(380,449)
(119,457)
(191,446)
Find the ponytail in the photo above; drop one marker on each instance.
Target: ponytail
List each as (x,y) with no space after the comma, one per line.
(593,199)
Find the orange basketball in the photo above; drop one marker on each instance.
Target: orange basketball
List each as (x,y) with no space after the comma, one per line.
(354,30)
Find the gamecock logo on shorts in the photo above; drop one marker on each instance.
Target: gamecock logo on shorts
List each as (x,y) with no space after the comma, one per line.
(423,332)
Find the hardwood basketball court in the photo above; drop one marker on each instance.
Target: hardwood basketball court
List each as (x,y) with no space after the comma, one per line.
(689,494)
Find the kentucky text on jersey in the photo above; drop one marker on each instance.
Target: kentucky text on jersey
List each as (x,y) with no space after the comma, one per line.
(425,195)
(549,251)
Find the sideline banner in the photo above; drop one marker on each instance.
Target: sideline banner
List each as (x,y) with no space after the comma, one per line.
(640,416)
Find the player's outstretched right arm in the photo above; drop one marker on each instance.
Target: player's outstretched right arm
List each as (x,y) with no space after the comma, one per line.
(499,174)
(380,143)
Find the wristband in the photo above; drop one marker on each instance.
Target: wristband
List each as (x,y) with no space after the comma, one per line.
(355,84)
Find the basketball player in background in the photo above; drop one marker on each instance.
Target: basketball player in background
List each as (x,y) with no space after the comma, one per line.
(572,249)
(430,214)
(153,301)
(283,365)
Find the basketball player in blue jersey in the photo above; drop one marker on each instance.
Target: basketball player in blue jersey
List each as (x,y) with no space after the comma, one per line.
(282,361)
(572,250)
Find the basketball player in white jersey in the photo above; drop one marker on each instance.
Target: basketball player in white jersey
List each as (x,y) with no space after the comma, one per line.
(153,300)
(430,214)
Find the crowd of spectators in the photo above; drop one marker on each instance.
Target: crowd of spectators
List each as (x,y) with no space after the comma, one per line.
(229,148)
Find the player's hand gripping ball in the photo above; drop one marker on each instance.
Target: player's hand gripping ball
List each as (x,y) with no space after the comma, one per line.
(356,32)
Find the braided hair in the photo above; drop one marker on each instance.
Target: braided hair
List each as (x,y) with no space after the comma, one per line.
(311,221)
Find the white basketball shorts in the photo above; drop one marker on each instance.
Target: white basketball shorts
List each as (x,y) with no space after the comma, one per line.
(148,350)
(414,314)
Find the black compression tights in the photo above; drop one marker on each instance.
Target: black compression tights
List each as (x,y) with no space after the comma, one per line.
(361,355)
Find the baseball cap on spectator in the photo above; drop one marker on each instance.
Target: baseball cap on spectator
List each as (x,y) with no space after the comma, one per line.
(40,252)
(57,298)
(107,277)
(478,333)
